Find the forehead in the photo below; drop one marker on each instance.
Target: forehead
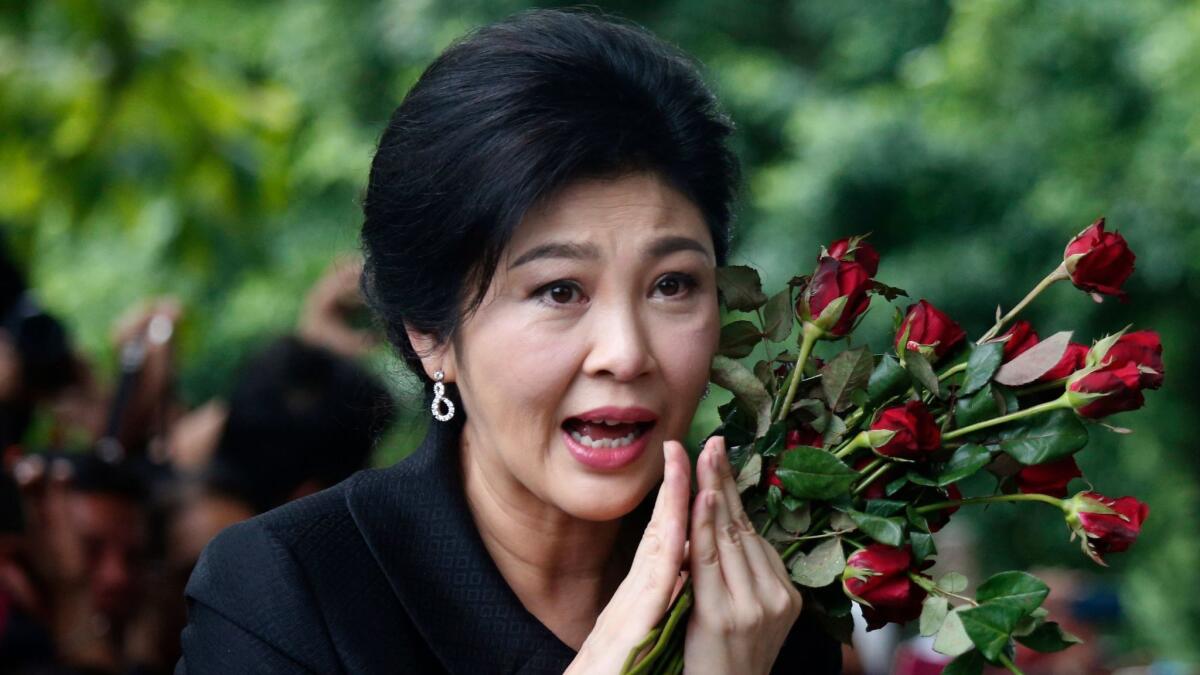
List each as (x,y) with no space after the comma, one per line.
(639,205)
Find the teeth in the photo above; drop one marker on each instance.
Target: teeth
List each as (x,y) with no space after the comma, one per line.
(587,442)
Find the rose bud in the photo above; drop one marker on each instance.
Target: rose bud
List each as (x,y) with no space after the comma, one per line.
(804,436)
(1099,261)
(916,432)
(834,280)
(1106,525)
(1050,478)
(1018,339)
(938,519)
(1072,360)
(1143,349)
(877,576)
(855,249)
(927,329)
(1111,389)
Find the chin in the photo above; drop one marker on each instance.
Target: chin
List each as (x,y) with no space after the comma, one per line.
(602,503)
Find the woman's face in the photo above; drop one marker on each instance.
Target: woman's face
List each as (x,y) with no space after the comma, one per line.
(603,309)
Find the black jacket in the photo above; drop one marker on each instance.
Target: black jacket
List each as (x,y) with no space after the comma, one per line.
(383,573)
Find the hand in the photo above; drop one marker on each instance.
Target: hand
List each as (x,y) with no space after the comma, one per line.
(745,603)
(642,599)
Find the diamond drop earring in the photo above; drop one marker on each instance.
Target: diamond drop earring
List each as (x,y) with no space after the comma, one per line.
(439,397)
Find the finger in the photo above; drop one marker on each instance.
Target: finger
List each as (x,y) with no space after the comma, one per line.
(733,545)
(659,555)
(712,595)
(762,568)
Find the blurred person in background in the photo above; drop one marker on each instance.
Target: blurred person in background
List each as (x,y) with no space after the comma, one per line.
(301,419)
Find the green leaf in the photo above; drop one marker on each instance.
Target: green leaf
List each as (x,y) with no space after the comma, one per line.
(741,288)
(952,638)
(990,626)
(885,507)
(750,473)
(965,461)
(764,373)
(922,545)
(847,371)
(1043,438)
(1049,637)
(969,663)
(933,613)
(981,365)
(774,499)
(991,401)
(952,582)
(1035,361)
(888,379)
(794,520)
(1018,589)
(811,473)
(820,566)
(888,531)
(922,372)
(738,339)
(778,316)
(746,389)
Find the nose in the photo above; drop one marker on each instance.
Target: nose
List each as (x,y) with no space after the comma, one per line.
(620,345)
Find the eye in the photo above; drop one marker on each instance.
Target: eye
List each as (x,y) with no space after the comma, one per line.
(558,293)
(675,284)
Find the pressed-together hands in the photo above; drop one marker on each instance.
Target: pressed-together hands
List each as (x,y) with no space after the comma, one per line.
(744,601)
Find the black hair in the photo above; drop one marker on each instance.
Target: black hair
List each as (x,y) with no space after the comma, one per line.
(507,116)
(297,413)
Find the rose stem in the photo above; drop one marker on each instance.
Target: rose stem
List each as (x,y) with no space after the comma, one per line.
(650,637)
(1007,663)
(681,606)
(1060,402)
(952,370)
(933,588)
(1059,274)
(872,478)
(809,336)
(1031,497)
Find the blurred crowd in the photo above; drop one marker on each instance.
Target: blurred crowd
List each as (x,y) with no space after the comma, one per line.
(110,486)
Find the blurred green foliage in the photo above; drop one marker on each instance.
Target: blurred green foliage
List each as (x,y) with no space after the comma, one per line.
(216,151)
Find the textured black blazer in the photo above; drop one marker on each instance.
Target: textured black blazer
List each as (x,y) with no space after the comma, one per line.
(382,573)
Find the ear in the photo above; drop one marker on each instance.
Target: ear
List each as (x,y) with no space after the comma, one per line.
(433,356)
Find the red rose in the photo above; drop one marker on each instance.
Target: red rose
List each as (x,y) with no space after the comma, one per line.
(803,436)
(772,477)
(917,433)
(836,279)
(1072,360)
(1143,349)
(1050,478)
(1018,339)
(938,519)
(878,575)
(1099,261)
(857,250)
(928,326)
(1119,382)
(1104,532)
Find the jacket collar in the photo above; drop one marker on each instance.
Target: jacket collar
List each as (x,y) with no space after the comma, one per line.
(415,520)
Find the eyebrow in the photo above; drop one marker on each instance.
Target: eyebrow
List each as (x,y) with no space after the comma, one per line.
(659,248)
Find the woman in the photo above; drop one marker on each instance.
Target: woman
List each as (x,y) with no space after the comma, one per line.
(544,217)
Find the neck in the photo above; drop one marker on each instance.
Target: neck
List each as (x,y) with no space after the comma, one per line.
(562,568)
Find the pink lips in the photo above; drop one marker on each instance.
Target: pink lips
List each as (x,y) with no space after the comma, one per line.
(611,458)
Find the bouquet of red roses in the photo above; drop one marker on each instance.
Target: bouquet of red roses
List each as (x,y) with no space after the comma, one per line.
(850,466)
